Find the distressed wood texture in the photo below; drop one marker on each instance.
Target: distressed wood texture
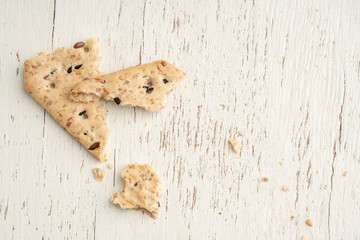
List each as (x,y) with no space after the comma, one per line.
(283,76)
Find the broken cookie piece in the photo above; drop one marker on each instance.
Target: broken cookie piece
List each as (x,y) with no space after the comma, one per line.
(143,188)
(142,86)
(49,78)
(235,144)
(99,174)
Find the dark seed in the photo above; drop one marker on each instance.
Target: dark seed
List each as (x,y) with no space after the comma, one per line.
(146,87)
(94,146)
(79,44)
(82,113)
(78,66)
(103,81)
(165,81)
(158,204)
(135,184)
(117,100)
(46,76)
(149,90)
(69,70)
(52,72)
(52,85)
(85,133)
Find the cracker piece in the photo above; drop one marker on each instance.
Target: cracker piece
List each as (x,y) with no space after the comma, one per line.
(235,144)
(49,78)
(143,188)
(99,174)
(142,86)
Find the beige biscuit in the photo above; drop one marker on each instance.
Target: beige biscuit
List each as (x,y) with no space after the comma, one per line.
(143,188)
(49,77)
(142,86)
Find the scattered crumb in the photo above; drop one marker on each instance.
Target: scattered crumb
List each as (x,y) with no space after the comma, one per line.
(99,174)
(333,42)
(265,179)
(110,165)
(215,166)
(326,186)
(12,118)
(304,237)
(224,153)
(291,218)
(146,124)
(309,222)
(316,65)
(236,144)
(129,122)
(285,188)
(281,163)
(220,213)
(346,173)
(351,98)
(196,145)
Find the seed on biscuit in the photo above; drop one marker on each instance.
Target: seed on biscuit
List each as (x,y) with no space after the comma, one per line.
(94,146)
(165,81)
(78,66)
(69,70)
(117,100)
(79,44)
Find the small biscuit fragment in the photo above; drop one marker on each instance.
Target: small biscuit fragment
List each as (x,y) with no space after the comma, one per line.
(99,174)
(142,86)
(49,77)
(143,188)
(235,144)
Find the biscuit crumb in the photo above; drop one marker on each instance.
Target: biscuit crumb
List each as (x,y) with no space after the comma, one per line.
(236,144)
(110,165)
(316,65)
(129,122)
(265,179)
(146,124)
(304,237)
(309,223)
(281,163)
(285,188)
(326,186)
(215,166)
(333,42)
(99,174)
(220,213)
(346,173)
(291,218)
(196,145)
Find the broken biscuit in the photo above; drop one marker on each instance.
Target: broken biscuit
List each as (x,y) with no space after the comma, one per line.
(143,188)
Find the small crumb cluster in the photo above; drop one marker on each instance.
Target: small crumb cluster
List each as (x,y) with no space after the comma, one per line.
(99,174)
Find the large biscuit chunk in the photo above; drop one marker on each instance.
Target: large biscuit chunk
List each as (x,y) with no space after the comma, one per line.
(142,86)
(143,188)
(49,78)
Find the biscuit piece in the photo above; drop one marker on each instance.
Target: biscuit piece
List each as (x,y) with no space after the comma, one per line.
(99,174)
(236,145)
(142,86)
(143,188)
(49,78)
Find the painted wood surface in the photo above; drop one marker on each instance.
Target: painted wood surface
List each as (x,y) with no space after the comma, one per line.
(283,76)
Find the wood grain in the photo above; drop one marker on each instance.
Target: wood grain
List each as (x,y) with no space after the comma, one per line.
(283,76)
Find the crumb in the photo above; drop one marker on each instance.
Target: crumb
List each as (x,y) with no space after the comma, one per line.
(236,144)
(110,165)
(265,179)
(146,124)
(316,65)
(196,145)
(224,153)
(304,237)
(309,223)
(220,213)
(281,163)
(351,99)
(99,174)
(12,118)
(291,218)
(215,166)
(129,122)
(346,173)
(285,188)
(333,42)
(326,186)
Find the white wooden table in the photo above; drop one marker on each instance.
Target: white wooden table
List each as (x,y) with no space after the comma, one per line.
(283,76)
